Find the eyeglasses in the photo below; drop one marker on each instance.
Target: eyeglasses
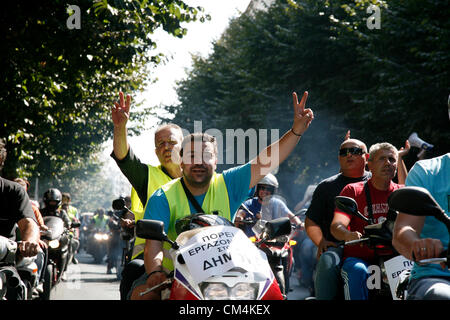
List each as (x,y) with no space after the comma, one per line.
(353,150)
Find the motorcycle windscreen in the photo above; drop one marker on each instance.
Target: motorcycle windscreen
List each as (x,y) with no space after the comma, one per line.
(55,227)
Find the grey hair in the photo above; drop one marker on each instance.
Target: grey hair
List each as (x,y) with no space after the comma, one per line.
(381,146)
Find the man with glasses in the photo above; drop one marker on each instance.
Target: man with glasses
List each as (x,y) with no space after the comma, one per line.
(144,178)
(352,160)
(371,197)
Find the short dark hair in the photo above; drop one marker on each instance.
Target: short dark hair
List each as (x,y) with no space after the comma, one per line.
(198,136)
(66,195)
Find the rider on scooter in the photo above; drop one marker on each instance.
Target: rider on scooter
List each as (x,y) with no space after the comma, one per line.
(263,205)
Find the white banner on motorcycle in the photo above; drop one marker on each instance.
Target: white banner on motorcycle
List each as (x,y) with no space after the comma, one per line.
(217,249)
(394,267)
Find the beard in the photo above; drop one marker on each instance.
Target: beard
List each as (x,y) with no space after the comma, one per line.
(198,179)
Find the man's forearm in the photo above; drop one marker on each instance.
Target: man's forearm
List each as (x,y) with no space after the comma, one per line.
(29,230)
(272,156)
(313,231)
(153,256)
(120,142)
(340,232)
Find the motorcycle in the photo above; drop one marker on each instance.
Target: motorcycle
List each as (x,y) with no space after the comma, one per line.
(97,244)
(279,251)
(378,237)
(9,279)
(18,272)
(58,239)
(126,234)
(28,272)
(418,201)
(215,262)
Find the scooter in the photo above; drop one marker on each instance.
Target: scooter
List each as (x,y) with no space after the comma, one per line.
(215,262)
(418,201)
(378,237)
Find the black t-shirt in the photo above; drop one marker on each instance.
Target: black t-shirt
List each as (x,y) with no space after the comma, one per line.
(321,209)
(14,206)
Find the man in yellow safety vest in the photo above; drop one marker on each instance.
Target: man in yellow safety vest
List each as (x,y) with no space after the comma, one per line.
(145,179)
(211,191)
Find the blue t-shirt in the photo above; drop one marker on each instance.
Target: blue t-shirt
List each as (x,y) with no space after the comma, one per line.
(237,180)
(272,207)
(433,175)
(255,207)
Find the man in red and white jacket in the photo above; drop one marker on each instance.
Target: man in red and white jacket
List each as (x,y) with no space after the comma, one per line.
(382,162)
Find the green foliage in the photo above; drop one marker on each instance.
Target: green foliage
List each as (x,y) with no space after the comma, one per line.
(58,84)
(382,84)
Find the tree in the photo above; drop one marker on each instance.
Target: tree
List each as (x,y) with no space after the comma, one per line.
(374,82)
(59,81)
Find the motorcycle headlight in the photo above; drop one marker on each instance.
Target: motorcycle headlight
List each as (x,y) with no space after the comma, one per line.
(105,237)
(98,236)
(219,291)
(53,244)
(243,291)
(215,291)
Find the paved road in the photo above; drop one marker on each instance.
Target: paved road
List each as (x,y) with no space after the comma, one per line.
(89,281)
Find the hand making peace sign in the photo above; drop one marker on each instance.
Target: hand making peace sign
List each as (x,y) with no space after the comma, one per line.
(120,112)
(302,116)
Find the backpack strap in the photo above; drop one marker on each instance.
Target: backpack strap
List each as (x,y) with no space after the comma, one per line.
(191,198)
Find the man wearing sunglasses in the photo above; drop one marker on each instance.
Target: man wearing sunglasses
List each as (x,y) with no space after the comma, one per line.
(352,159)
(371,197)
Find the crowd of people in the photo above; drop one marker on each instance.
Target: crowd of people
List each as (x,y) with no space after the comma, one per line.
(186,182)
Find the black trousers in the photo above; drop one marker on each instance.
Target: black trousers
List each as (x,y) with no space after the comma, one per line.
(133,270)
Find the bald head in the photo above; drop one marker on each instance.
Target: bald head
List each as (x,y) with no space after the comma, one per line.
(354,142)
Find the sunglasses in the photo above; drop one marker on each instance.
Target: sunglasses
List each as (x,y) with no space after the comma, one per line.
(353,150)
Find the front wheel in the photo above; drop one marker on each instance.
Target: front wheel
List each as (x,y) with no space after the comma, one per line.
(279,275)
(48,283)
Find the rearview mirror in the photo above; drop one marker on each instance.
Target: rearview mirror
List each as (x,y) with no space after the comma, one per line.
(153,230)
(118,204)
(277,227)
(349,205)
(75,225)
(417,201)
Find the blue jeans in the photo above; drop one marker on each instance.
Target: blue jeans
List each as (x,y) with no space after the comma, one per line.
(355,274)
(307,261)
(328,281)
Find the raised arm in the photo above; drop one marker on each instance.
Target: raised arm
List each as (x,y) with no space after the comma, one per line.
(402,172)
(120,114)
(277,152)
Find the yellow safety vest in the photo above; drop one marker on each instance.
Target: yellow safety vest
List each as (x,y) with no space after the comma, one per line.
(156,178)
(216,198)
